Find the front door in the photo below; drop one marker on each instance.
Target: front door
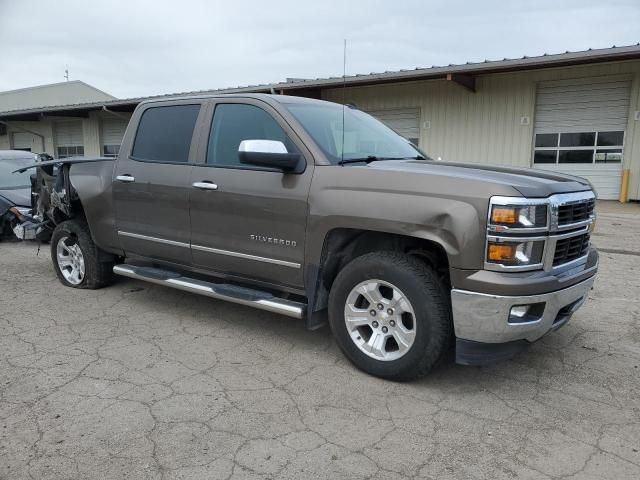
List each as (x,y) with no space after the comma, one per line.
(247,221)
(151,185)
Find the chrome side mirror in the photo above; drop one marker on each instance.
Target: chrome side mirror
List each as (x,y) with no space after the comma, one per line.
(269,154)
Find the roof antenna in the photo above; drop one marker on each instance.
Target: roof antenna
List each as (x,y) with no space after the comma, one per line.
(66,73)
(344,88)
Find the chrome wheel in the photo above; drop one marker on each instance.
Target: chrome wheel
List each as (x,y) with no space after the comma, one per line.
(70,261)
(380,320)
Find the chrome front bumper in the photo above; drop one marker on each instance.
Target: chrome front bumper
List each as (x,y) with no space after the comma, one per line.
(482,317)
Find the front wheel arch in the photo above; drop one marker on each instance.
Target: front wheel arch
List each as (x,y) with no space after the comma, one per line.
(429,298)
(342,245)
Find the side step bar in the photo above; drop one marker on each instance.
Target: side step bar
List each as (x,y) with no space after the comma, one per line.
(219,291)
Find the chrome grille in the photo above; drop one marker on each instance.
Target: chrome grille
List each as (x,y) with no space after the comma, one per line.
(568,249)
(575,212)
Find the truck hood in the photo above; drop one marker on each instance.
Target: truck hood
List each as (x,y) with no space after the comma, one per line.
(529,182)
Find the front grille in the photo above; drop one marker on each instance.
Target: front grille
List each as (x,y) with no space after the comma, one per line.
(569,249)
(575,212)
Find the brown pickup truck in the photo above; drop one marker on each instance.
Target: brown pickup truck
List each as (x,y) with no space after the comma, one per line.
(318,211)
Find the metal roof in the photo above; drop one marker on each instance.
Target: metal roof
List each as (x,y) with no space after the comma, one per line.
(297,86)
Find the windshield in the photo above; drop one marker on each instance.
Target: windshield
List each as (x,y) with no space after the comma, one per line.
(9,180)
(364,136)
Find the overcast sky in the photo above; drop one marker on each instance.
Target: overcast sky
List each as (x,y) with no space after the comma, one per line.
(138,48)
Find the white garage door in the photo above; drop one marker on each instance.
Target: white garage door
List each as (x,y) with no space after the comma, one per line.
(579,129)
(68,139)
(405,121)
(112,134)
(22,141)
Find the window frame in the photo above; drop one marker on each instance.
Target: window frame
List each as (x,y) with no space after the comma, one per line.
(267,108)
(193,146)
(593,148)
(111,155)
(66,155)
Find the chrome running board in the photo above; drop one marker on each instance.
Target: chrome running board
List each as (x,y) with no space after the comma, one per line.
(220,291)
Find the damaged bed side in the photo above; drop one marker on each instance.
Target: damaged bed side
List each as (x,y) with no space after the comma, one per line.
(54,197)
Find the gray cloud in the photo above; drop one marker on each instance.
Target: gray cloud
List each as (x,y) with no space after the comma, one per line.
(130,48)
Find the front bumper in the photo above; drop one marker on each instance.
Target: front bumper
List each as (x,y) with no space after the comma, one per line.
(481,318)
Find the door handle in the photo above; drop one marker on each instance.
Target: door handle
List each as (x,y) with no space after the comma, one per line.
(206,185)
(126,178)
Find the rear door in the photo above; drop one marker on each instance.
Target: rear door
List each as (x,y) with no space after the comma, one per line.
(151,185)
(253,223)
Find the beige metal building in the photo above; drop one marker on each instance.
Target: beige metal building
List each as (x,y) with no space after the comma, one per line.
(575,112)
(40,138)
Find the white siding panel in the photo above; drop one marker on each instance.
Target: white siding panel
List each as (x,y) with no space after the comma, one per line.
(113,131)
(582,104)
(456,124)
(604,177)
(68,134)
(22,140)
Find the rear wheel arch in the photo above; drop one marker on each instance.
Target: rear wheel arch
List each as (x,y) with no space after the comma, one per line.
(96,265)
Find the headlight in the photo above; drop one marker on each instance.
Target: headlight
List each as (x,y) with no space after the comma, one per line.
(515,253)
(518,216)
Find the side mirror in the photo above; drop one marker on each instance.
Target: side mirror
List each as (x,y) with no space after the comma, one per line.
(270,154)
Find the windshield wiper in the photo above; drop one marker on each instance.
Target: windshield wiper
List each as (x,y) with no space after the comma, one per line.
(373,158)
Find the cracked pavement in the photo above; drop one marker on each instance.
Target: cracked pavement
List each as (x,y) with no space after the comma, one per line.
(140,381)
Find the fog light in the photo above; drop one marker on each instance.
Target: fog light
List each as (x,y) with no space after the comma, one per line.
(519,311)
(526,313)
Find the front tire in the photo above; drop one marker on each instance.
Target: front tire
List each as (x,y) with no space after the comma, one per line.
(76,258)
(390,314)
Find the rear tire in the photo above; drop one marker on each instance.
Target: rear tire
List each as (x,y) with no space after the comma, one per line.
(391,315)
(76,259)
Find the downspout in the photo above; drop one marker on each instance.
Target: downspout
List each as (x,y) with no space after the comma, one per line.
(24,130)
(116,114)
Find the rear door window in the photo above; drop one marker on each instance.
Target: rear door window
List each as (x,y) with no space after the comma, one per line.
(164,134)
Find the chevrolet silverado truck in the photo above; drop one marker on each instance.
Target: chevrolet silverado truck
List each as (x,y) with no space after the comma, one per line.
(318,211)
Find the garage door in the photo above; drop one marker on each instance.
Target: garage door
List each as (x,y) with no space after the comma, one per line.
(580,129)
(112,134)
(22,141)
(405,121)
(68,139)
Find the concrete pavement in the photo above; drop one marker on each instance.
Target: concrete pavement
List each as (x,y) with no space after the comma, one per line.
(140,381)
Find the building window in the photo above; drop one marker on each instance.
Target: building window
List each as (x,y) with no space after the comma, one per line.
(110,150)
(70,151)
(578,147)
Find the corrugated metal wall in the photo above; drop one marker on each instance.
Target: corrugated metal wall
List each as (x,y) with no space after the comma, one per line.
(113,131)
(405,121)
(459,125)
(495,124)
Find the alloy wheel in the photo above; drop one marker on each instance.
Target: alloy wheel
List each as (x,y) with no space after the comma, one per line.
(380,320)
(70,261)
